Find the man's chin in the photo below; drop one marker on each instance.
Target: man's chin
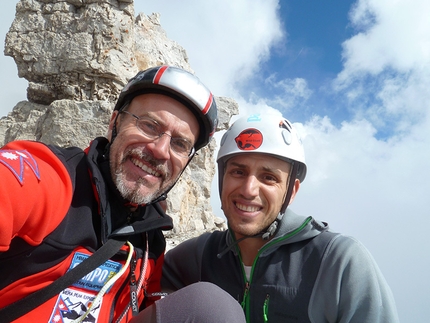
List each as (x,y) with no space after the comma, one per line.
(139,191)
(244,229)
(137,194)
(144,196)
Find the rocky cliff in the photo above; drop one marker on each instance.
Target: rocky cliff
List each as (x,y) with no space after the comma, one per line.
(77,55)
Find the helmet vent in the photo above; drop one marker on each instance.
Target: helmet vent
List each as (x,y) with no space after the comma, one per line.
(287,137)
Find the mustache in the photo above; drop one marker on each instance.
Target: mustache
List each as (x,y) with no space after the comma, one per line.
(159,166)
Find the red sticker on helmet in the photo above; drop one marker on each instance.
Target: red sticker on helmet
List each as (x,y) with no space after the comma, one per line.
(249,139)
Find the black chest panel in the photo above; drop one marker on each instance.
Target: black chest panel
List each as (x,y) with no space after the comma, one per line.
(283,280)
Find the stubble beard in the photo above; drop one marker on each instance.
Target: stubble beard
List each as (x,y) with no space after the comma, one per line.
(240,227)
(246,229)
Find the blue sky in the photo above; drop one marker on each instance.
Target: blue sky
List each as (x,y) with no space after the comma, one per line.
(313,34)
(354,77)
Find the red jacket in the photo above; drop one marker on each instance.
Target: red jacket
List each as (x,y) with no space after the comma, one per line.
(57,206)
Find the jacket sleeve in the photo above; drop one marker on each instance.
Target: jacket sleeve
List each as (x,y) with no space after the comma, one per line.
(350,287)
(182,264)
(35,192)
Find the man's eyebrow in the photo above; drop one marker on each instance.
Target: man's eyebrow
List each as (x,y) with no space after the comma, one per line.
(153,116)
(236,164)
(270,169)
(264,168)
(273,170)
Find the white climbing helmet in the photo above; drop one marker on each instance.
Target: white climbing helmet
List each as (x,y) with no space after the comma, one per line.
(267,134)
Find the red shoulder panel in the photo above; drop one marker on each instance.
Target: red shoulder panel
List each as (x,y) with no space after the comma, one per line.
(35,192)
(15,160)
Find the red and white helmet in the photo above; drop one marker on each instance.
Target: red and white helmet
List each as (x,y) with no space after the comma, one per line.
(183,87)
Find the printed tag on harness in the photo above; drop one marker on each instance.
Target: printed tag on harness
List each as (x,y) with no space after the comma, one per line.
(72,304)
(76,300)
(96,279)
(16,160)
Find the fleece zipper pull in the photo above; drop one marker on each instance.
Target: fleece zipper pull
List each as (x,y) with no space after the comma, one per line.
(266,308)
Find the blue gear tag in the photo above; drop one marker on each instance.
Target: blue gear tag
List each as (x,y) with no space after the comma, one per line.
(96,279)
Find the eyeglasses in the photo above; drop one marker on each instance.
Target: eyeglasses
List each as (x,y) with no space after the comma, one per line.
(151,129)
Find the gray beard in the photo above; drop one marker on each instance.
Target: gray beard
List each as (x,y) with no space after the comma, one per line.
(132,194)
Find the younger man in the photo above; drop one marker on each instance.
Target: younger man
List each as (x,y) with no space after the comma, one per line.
(281,267)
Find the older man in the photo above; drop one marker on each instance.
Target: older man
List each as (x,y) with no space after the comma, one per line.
(80,233)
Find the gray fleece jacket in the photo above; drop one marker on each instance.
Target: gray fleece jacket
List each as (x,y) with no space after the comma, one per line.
(303,274)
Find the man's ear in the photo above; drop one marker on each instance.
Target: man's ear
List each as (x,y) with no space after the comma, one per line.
(295,190)
(111,124)
(163,204)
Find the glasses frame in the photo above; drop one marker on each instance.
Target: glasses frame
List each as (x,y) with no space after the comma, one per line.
(153,138)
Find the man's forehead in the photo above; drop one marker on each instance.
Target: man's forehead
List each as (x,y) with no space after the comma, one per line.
(260,160)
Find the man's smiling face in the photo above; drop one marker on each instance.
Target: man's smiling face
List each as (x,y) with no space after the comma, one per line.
(253,191)
(143,169)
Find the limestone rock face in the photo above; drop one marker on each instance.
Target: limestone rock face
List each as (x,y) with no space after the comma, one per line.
(85,50)
(72,50)
(77,55)
(64,122)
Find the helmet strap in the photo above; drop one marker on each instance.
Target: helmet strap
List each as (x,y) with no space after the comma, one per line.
(291,182)
(163,196)
(272,228)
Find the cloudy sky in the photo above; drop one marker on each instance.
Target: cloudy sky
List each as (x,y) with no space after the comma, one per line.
(355,78)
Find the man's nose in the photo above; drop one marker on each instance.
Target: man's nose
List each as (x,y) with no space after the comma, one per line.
(250,187)
(160,147)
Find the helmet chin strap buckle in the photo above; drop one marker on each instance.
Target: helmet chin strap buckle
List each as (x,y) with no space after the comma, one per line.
(271,230)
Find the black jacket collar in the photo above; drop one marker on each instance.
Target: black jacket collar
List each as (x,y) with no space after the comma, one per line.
(117,218)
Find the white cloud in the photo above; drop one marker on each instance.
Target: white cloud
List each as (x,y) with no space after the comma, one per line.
(289,92)
(225,40)
(394,34)
(353,159)
(407,96)
(377,189)
(387,64)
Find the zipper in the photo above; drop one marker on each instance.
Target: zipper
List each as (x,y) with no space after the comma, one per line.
(246,297)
